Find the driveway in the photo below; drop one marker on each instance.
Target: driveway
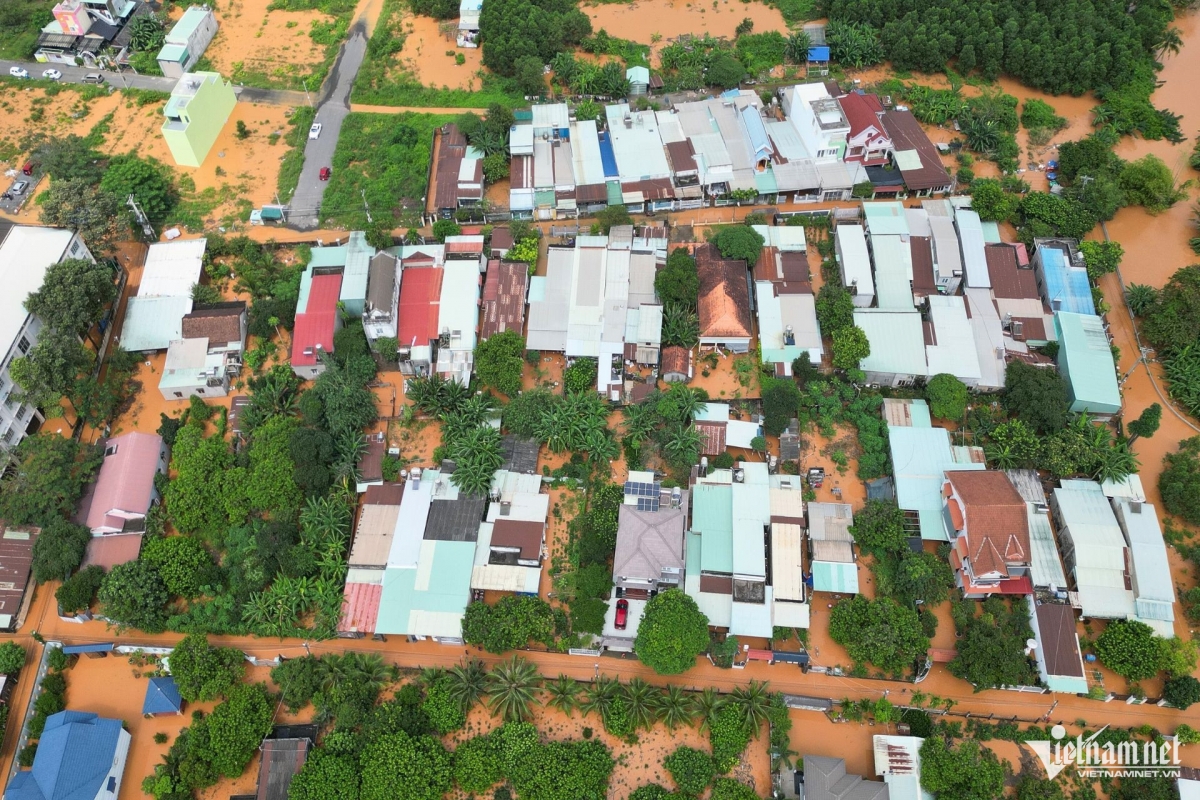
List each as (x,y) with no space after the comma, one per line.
(117,80)
(332,108)
(10,203)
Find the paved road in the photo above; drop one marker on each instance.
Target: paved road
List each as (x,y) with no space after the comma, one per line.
(117,80)
(332,108)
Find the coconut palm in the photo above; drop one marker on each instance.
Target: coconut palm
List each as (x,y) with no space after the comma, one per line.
(512,689)
(563,693)
(467,683)
(1115,463)
(753,704)
(431,675)
(600,696)
(675,707)
(425,393)
(982,135)
(640,700)
(1169,43)
(707,703)
(1140,298)
(795,51)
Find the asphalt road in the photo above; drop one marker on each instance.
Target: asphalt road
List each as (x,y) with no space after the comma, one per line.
(117,80)
(332,108)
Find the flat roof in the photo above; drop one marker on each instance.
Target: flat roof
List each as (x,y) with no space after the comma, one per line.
(712,518)
(25,255)
(970,237)
(893,272)
(884,217)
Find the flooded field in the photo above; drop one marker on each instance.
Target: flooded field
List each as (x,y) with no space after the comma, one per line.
(429,55)
(657,23)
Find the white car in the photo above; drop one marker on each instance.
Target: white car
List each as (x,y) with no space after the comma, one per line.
(315,131)
(18,72)
(52,74)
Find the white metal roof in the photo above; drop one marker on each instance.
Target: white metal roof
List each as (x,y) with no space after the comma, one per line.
(25,255)
(551,115)
(989,337)
(953,351)
(152,323)
(642,270)
(616,296)
(547,327)
(1046,567)
(970,235)
(669,129)
(854,258)
(787,561)
(897,341)
(589,168)
(947,258)
(638,148)
(893,272)
(787,141)
(885,217)
(172,268)
(410,521)
(459,309)
(520,140)
(1153,585)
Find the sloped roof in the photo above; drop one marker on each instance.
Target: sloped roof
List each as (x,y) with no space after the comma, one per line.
(712,437)
(997,528)
(281,760)
(315,327)
(826,779)
(504,298)
(162,696)
(111,549)
(360,607)
(861,110)
(126,479)
(907,135)
(381,281)
(218,324)
(16,559)
(676,359)
(1008,281)
(1060,641)
(522,534)
(724,295)
(649,542)
(420,296)
(74,756)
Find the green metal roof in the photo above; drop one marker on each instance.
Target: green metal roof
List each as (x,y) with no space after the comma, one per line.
(712,517)
(429,600)
(1085,360)
(192,18)
(176,53)
(717,607)
(765,182)
(835,576)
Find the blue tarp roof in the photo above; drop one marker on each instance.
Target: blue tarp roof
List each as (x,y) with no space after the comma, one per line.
(1068,285)
(162,696)
(818,54)
(73,759)
(101,647)
(607,157)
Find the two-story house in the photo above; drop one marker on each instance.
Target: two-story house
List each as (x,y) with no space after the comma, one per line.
(819,120)
(868,141)
(989,534)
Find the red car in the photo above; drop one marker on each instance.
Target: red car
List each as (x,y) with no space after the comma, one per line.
(325,173)
(622,614)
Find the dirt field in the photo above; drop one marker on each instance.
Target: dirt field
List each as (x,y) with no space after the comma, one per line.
(428,56)
(274,43)
(640,21)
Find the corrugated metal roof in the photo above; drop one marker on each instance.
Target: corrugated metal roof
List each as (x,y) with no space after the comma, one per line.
(717,607)
(712,518)
(1045,563)
(1152,582)
(836,577)
(548,314)
(589,165)
(360,607)
(885,218)
(172,268)
(126,478)
(1085,360)
(970,236)
(1066,287)
(954,349)
(787,561)
(753,619)
(893,272)
(897,341)
(152,323)
(920,458)
(854,258)
(420,296)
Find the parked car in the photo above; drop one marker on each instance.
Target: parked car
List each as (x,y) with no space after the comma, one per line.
(93,77)
(622,618)
(18,72)
(52,74)
(315,131)
(19,188)
(324,174)
(29,167)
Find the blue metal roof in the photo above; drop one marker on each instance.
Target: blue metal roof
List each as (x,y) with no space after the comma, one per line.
(729,94)
(73,759)
(1067,285)
(607,157)
(162,696)
(100,647)
(818,54)
(756,131)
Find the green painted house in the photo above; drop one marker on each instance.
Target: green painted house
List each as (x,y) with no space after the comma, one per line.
(199,107)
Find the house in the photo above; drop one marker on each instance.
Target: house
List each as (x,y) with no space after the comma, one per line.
(1025,316)
(726,565)
(1062,278)
(468,23)
(678,365)
(893,272)
(867,142)
(316,325)
(550,301)
(79,755)
(187,40)
(720,432)
(419,305)
(26,252)
(950,340)
(914,155)
(369,470)
(154,318)
(790,595)
(353,261)
(512,537)
(826,779)
(947,250)
(639,81)
(382,307)
(898,762)
(373,536)
(787,326)
(989,534)
(90,33)
(1094,551)
(1086,362)
(124,490)
(1153,586)
(886,218)
(921,455)
(1045,567)
(16,564)
(991,342)
(724,302)
(197,111)
(457,174)
(1058,654)
(833,562)
(504,291)
(209,354)
(897,339)
(972,244)
(854,260)
(650,538)
(282,759)
(819,120)
(458,320)
(162,698)
(501,240)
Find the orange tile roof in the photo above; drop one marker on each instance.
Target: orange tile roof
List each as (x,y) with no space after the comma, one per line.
(724,295)
(996,524)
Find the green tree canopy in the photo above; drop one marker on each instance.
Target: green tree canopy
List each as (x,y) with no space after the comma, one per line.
(991,651)
(1182,692)
(878,632)
(326,776)
(691,769)
(1146,425)
(237,727)
(781,402)
(78,591)
(739,242)
(500,362)
(835,308)
(1038,397)
(678,282)
(12,658)
(850,347)
(203,672)
(1130,649)
(730,789)
(182,561)
(1173,322)
(68,158)
(402,767)
(967,772)
(74,293)
(672,632)
(947,396)
(270,485)
(133,595)
(47,481)
(878,529)
(59,550)
(147,180)
(80,206)
(1179,482)
(991,202)
(512,623)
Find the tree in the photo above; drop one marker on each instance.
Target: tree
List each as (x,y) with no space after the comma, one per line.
(81,206)
(500,362)
(991,651)
(78,591)
(446,227)
(203,672)
(740,243)
(1173,322)
(651,791)
(673,631)
(1182,692)
(513,689)
(1140,298)
(797,47)
(878,632)
(147,33)
(878,529)
(1030,787)
(183,563)
(12,658)
(729,736)
(134,595)
(325,776)
(147,180)
(47,481)
(835,308)
(681,326)
(725,72)
(731,789)
(1130,649)
(781,401)
(1101,258)
(402,767)
(477,766)
(947,396)
(678,282)
(1179,482)
(1146,425)
(691,769)
(1036,396)
(59,550)
(1148,182)
(611,217)
(270,485)
(991,202)
(51,369)
(70,158)
(850,347)
(966,772)
(511,623)
(237,727)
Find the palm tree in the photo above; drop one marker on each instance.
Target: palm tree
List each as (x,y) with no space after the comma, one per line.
(982,135)
(675,707)
(753,703)
(1001,456)
(795,51)
(431,675)
(640,419)
(1115,463)
(512,690)
(684,402)
(599,446)
(682,444)
(640,699)
(1140,298)
(467,683)
(681,326)
(425,393)
(1169,43)
(707,703)
(600,696)
(563,692)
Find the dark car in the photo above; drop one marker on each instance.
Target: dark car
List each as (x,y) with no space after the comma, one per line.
(324,173)
(622,614)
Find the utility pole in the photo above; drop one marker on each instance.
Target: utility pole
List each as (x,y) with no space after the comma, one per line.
(306,94)
(147,228)
(367,207)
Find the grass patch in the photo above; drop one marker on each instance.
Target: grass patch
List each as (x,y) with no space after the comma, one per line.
(293,160)
(795,11)
(146,97)
(22,21)
(386,157)
(327,33)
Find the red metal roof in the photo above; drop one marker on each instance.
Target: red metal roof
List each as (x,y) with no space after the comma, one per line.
(313,332)
(360,607)
(861,112)
(470,246)
(420,298)
(111,549)
(504,298)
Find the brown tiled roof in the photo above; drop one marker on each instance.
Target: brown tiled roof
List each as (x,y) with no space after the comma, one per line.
(676,359)
(654,189)
(724,295)
(1008,281)
(469,246)
(906,134)
(640,392)
(502,238)
(997,527)
(385,494)
(1060,643)
(504,298)
(712,437)
(717,584)
(220,324)
(922,263)
(795,267)
(682,156)
(525,535)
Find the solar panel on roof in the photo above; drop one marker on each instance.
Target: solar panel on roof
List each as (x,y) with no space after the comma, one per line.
(636,489)
(647,504)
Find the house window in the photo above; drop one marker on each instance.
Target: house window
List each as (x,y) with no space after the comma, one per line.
(179,394)
(110,451)
(23,345)
(199,391)
(8,435)
(75,248)
(22,411)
